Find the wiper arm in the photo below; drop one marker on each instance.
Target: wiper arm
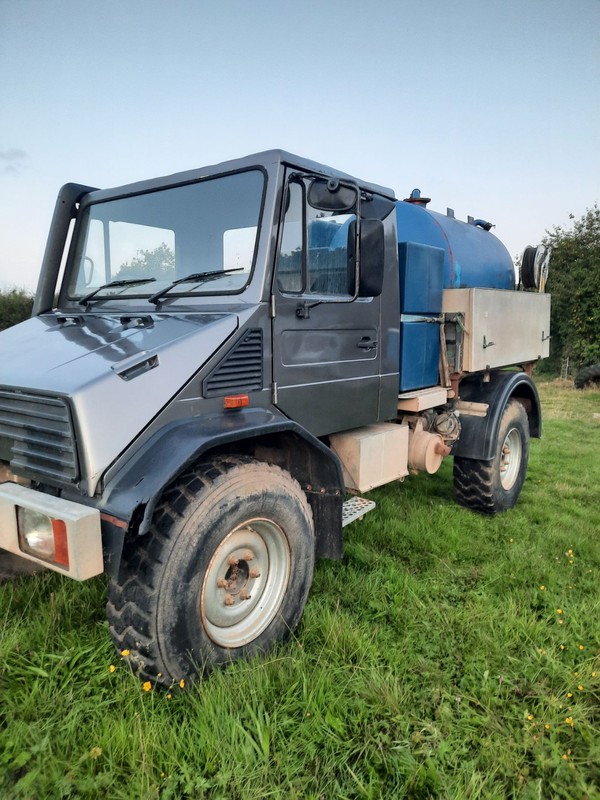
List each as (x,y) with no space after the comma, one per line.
(198,277)
(123,282)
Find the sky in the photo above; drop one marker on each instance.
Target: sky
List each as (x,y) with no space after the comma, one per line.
(491,107)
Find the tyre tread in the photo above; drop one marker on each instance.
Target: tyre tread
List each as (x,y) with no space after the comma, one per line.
(588,376)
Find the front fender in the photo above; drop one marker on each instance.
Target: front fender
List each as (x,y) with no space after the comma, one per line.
(479,435)
(133,492)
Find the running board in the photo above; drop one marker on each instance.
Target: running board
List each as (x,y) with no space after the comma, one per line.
(355,508)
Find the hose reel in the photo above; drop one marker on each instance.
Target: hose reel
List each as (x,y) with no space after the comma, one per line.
(534,267)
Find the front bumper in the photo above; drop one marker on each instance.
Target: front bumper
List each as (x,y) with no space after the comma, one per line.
(79,526)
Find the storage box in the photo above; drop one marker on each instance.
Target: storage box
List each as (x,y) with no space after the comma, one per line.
(501,327)
(373,455)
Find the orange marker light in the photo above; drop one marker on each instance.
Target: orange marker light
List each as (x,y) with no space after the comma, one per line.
(61,549)
(236,401)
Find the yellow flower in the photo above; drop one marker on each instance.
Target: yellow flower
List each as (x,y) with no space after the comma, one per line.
(169,696)
(569,721)
(580,687)
(530,717)
(542,588)
(594,674)
(547,726)
(559,611)
(181,684)
(146,686)
(511,540)
(581,647)
(95,752)
(125,653)
(565,757)
(562,647)
(569,694)
(112,668)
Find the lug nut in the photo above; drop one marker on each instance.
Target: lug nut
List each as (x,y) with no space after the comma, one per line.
(254,573)
(229,600)
(244,595)
(248,555)
(233,561)
(222,583)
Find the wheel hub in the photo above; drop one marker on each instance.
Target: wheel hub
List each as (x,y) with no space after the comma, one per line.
(245,582)
(510,463)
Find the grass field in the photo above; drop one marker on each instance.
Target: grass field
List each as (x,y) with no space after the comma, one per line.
(449,655)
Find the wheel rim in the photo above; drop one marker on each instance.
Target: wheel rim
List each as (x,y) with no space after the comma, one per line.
(512,453)
(245,583)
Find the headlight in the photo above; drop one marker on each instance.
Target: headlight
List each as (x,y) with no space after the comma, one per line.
(43,536)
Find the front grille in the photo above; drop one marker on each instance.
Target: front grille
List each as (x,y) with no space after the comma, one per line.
(40,432)
(240,370)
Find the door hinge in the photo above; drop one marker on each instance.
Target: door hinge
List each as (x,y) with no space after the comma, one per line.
(272,306)
(274,393)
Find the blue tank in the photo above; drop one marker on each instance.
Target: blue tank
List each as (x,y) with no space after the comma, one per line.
(473,257)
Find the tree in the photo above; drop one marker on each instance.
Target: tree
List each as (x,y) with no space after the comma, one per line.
(158,263)
(15,306)
(574,282)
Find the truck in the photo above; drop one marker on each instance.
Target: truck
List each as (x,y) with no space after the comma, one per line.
(221,363)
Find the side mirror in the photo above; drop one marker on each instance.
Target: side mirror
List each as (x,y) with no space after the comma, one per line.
(372,256)
(331,195)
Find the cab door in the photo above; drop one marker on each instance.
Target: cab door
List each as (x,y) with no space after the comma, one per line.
(326,348)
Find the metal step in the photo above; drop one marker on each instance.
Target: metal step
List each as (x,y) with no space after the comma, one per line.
(355,508)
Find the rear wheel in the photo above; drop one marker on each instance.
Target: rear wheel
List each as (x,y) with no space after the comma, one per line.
(223,574)
(494,486)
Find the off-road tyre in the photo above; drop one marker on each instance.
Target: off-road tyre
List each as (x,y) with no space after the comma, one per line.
(588,376)
(494,486)
(223,574)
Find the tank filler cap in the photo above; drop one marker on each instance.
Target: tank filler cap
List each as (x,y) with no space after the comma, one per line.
(416,199)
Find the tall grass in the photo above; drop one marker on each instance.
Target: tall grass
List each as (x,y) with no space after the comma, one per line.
(449,655)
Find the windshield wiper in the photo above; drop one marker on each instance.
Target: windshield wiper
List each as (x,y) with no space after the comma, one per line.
(198,277)
(124,282)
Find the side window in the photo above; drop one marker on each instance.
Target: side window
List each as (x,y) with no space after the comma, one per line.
(314,257)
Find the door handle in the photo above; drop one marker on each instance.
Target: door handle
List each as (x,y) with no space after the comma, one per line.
(367,344)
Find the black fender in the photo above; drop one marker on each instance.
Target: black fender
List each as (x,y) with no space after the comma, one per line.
(130,497)
(479,435)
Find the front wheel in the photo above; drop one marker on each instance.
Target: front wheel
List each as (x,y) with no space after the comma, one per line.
(494,486)
(223,574)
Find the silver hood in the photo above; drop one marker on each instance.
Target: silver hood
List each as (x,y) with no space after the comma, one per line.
(118,373)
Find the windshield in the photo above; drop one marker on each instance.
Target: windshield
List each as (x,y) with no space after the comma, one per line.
(145,243)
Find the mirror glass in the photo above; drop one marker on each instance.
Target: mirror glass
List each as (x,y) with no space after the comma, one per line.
(330,195)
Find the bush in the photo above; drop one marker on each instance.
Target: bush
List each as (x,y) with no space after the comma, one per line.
(15,306)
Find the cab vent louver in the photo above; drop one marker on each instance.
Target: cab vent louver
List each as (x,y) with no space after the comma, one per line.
(39,430)
(240,370)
